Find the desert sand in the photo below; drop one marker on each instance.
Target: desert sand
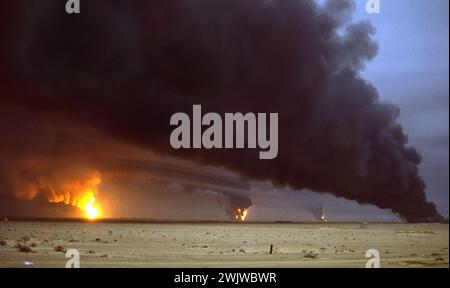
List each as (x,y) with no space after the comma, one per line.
(223,244)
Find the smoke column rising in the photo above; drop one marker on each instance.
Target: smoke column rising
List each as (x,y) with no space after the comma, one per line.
(124,67)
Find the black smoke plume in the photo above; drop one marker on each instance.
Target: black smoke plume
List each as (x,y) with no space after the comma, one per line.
(124,67)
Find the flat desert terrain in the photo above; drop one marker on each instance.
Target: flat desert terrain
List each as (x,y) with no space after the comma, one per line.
(223,244)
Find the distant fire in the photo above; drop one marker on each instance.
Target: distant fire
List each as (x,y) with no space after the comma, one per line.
(88,206)
(240,214)
(322,217)
(79,193)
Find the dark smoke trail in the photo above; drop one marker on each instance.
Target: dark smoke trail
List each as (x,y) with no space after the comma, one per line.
(126,66)
(316,210)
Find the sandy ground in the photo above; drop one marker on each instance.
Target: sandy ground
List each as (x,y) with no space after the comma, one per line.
(223,245)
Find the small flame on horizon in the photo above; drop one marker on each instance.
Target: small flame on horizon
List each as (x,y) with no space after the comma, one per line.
(241,214)
(323,218)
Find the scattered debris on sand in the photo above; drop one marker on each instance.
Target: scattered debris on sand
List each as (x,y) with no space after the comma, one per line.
(24,248)
(60,248)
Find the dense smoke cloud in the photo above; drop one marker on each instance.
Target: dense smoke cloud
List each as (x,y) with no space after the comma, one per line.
(124,67)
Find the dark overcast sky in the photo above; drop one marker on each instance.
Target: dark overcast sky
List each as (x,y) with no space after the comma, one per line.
(165,57)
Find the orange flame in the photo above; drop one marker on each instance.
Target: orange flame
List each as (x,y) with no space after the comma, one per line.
(241,214)
(87,204)
(80,194)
